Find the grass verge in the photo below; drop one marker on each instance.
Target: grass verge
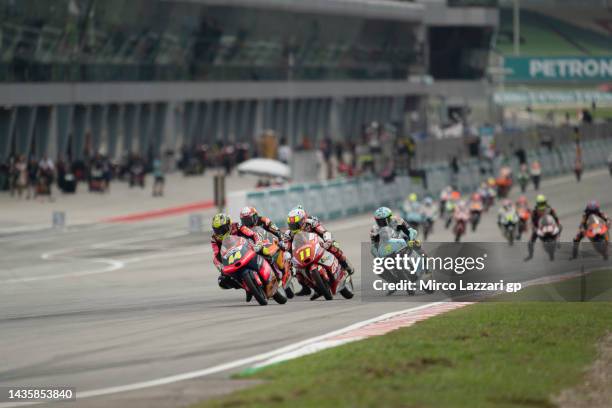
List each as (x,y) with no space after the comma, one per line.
(484,355)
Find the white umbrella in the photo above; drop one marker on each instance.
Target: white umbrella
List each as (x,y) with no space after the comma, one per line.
(265,167)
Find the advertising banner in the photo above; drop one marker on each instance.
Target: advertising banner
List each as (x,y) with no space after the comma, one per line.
(559,69)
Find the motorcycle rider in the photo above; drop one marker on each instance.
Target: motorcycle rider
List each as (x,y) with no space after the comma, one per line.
(522,208)
(223,227)
(297,221)
(505,210)
(250,218)
(476,207)
(384,217)
(541,209)
(451,205)
(444,197)
(412,210)
(522,202)
(592,208)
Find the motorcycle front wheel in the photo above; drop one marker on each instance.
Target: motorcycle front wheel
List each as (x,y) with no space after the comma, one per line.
(321,284)
(256,290)
(280,296)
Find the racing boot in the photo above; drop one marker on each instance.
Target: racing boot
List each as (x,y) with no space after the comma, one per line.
(304,292)
(348,268)
(315,296)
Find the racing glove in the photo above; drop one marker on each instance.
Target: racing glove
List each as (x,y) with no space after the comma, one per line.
(414,243)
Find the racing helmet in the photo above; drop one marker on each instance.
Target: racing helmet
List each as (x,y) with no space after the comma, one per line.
(522,200)
(541,201)
(249,216)
(476,197)
(412,197)
(382,216)
(221,225)
(455,195)
(428,201)
(592,206)
(296,219)
(506,204)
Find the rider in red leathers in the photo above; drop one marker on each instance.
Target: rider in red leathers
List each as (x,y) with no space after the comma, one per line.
(592,208)
(222,228)
(298,220)
(250,218)
(541,208)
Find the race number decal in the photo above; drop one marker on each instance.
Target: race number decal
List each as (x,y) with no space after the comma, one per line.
(234,257)
(304,253)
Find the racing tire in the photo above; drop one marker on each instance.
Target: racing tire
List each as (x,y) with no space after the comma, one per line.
(289,293)
(347,290)
(321,284)
(280,296)
(255,289)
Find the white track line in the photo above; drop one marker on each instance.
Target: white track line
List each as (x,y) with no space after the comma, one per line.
(244,361)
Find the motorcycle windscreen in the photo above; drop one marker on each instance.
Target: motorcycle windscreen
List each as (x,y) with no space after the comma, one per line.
(230,248)
(301,239)
(389,243)
(596,225)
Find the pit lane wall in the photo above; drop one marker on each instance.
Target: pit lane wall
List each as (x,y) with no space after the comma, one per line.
(342,198)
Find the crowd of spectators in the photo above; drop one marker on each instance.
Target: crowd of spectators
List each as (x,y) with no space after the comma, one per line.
(377,151)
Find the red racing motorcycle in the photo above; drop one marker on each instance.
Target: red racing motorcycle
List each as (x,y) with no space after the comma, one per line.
(318,269)
(250,271)
(597,233)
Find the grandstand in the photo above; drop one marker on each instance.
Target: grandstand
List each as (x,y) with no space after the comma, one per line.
(558,31)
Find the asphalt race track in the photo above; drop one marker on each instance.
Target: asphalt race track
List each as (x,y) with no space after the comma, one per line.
(111,305)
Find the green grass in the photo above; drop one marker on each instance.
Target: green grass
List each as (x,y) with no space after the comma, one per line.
(484,355)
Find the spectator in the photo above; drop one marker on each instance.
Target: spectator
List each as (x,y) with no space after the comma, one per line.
(159,181)
(21,175)
(521,155)
(32,184)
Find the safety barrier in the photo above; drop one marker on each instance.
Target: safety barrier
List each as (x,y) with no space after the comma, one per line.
(345,197)
(328,200)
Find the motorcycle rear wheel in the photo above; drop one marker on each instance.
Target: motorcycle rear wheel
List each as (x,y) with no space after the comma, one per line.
(322,285)
(254,288)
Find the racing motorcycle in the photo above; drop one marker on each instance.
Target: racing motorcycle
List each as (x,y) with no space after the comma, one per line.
(523,214)
(250,271)
(509,226)
(461,217)
(428,221)
(476,209)
(548,231)
(390,244)
(450,210)
(276,258)
(597,233)
(317,268)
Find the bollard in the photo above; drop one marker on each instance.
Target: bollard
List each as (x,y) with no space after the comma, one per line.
(195,223)
(59,219)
